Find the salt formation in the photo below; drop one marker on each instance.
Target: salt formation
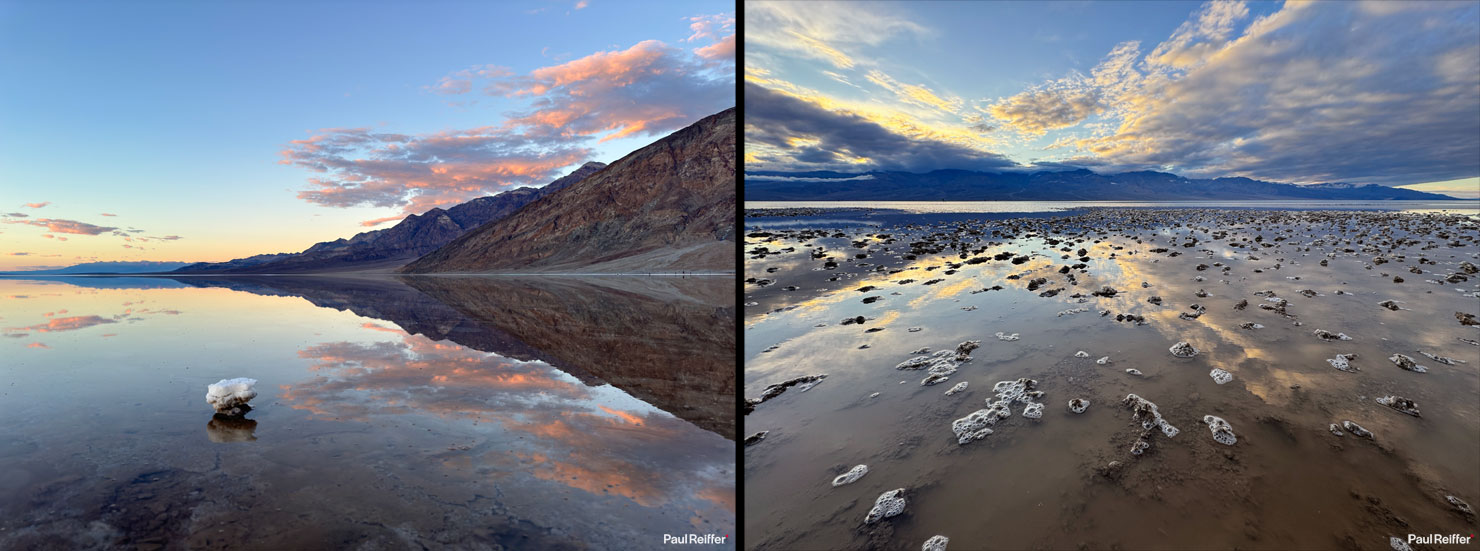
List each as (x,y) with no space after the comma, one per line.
(941,365)
(1336,430)
(1343,362)
(1400,404)
(1103,361)
(1398,544)
(1220,376)
(1078,405)
(1250,325)
(1033,410)
(1081,354)
(1357,430)
(803,384)
(889,504)
(851,476)
(1329,336)
(1134,371)
(1441,359)
(1390,305)
(1460,504)
(1183,350)
(756,438)
(1003,337)
(1146,412)
(974,426)
(1406,362)
(1222,431)
(961,386)
(936,543)
(230,396)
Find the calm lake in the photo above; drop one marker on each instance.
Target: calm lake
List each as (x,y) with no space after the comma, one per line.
(393,413)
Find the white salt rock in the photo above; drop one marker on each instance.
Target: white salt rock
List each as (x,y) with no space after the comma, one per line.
(1081,354)
(1183,350)
(889,504)
(936,543)
(851,476)
(1033,410)
(1103,361)
(229,395)
(1078,405)
(1133,371)
(1220,376)
(1004,337)
(1343,362)
(961,386)
(1222,431)
(974,426)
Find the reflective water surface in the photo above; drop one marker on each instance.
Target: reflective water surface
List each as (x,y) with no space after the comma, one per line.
(1288,482)
(467,413)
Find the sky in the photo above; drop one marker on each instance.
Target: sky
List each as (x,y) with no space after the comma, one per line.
(1360,92)
(185,131)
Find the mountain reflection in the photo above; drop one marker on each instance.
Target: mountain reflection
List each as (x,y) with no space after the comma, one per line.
(667,341)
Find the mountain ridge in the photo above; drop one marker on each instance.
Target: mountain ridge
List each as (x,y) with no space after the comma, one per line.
(412,237)
(668,206)
(1070,185)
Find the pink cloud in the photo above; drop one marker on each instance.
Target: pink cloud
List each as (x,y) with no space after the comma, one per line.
(379,221)
(64,226)
(38,205)
(37,345)
(107,214)
(721,50)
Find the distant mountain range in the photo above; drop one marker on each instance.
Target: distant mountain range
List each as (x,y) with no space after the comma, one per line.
(382,250)
(668,206)
(138,267)
(1072,185)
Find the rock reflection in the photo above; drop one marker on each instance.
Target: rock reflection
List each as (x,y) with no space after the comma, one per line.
(225,429)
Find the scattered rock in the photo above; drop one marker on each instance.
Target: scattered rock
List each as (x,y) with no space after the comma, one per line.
(936,543)
(1390,305)
(1033,410)
(1441,359)
(803,384)
(1343,362)
(1220,376)
(1398,544)
(756,438)
(1081,354)
(1357,430)
(1222,431)
(1250,325)
(230,396)
(961,386)
(975,426)
(1183,350)
(1002,337)
(889,504)
(1329,336)
(1406,362)
(1336,430)
(1460,503)
(1134,371)
(1078,405)
(1466,318)
(1400,404)
(851,476)
(1103,361)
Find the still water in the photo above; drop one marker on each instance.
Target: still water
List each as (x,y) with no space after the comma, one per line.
(469,413)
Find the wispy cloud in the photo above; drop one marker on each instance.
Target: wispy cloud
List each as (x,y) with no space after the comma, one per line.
(38,205)
(64,226)
(379,221)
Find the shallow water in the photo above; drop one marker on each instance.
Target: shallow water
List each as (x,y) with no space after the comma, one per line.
(1287,483)
(467,413)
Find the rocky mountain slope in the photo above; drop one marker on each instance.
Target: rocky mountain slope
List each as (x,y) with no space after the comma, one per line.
(669,206)
(388,248)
